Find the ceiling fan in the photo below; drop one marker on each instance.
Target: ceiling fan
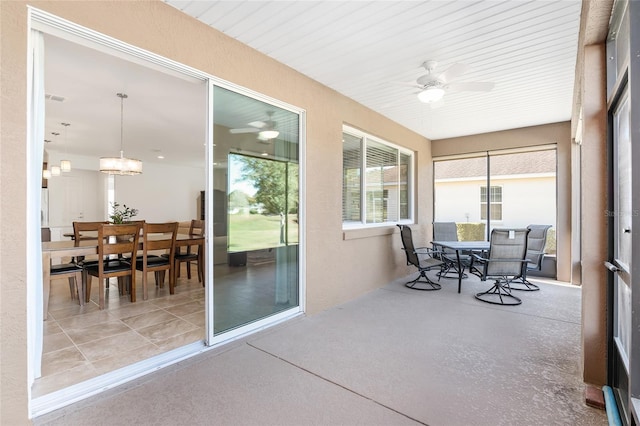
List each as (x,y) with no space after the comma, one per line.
(266,130)
(433,85)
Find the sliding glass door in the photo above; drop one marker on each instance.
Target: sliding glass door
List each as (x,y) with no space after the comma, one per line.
(213,159)
(255,210)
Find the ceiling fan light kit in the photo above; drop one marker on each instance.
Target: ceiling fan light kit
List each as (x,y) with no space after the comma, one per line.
(431,94)
(266,130)
(121,165)
(433,86)
(269,134)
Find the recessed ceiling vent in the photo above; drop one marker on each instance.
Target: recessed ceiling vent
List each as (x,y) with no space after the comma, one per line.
(56,98)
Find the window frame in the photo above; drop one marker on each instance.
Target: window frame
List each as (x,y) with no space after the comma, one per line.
(365,139)
(483,204)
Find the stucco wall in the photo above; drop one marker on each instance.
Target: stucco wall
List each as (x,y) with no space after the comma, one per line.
(339,267)
(593,220)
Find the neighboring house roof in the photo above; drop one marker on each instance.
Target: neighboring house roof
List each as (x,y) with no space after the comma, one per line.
(535,162)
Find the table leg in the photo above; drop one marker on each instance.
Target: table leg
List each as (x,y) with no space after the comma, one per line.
(201,262)
(460,270)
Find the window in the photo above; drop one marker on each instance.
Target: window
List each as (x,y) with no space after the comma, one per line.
(380,194)
(495,198)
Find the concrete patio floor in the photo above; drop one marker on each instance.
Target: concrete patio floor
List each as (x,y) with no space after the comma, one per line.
(394,356)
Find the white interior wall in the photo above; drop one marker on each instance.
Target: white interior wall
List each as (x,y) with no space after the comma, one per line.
(162,192)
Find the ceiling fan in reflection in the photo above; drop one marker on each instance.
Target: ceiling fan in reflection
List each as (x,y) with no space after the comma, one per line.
(266,130)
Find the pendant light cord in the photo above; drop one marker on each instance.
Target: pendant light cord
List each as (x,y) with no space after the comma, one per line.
(122,97)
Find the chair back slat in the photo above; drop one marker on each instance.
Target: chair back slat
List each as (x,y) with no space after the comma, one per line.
(445,231)
(159,236)
(124,241)
(86,230)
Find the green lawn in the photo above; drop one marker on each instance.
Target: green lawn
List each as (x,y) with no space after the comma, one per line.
(254,231)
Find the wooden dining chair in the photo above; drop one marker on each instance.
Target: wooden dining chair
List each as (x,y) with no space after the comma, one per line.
(114,243)
(156,238)
(191,253)
(74,273)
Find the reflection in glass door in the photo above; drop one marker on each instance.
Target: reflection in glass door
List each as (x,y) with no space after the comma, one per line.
(622,218)
(256,200)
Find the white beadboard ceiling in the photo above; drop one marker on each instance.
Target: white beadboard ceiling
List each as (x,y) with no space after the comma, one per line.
(366,50)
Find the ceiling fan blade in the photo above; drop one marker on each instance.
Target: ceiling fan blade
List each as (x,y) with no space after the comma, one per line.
(471,86)
(247,130)
(453,71)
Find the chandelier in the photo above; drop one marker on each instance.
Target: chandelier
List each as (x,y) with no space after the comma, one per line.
(121,165)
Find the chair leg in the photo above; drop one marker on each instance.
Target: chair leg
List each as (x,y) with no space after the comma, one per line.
(425,285)
(523,284)
(72,288)
(499,294)
(160,278)
(189,270)
(79,287)
(86,283)
(132,287)
(101,288)
(172,280)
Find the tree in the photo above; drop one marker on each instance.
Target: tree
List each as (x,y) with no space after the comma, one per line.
(238,200)
(276,183)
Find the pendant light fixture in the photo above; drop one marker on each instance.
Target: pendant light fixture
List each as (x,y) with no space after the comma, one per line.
(121,165)
(54,170)
(65,165)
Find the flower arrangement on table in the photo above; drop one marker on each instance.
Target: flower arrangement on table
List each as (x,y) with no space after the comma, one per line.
(121,215)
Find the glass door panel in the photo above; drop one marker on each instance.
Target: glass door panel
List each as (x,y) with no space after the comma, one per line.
(256,191)
(622,218)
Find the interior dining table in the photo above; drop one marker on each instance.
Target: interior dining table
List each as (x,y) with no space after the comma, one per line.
(55,250)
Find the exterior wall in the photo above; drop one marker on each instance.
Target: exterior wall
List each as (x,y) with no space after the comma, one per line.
(340,265)
(558,133)
(593,221)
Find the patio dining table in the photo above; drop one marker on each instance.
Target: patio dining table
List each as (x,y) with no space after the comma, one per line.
(459,247)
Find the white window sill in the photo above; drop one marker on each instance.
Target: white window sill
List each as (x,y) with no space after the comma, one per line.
(368,231)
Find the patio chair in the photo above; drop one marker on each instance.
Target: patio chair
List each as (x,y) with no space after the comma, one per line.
(448,231)
(504,263)
(535,254)
(422,258)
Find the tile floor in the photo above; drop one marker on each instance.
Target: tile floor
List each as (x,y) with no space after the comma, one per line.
(84,342)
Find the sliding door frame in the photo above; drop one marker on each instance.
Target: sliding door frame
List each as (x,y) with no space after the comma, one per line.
(50,24)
